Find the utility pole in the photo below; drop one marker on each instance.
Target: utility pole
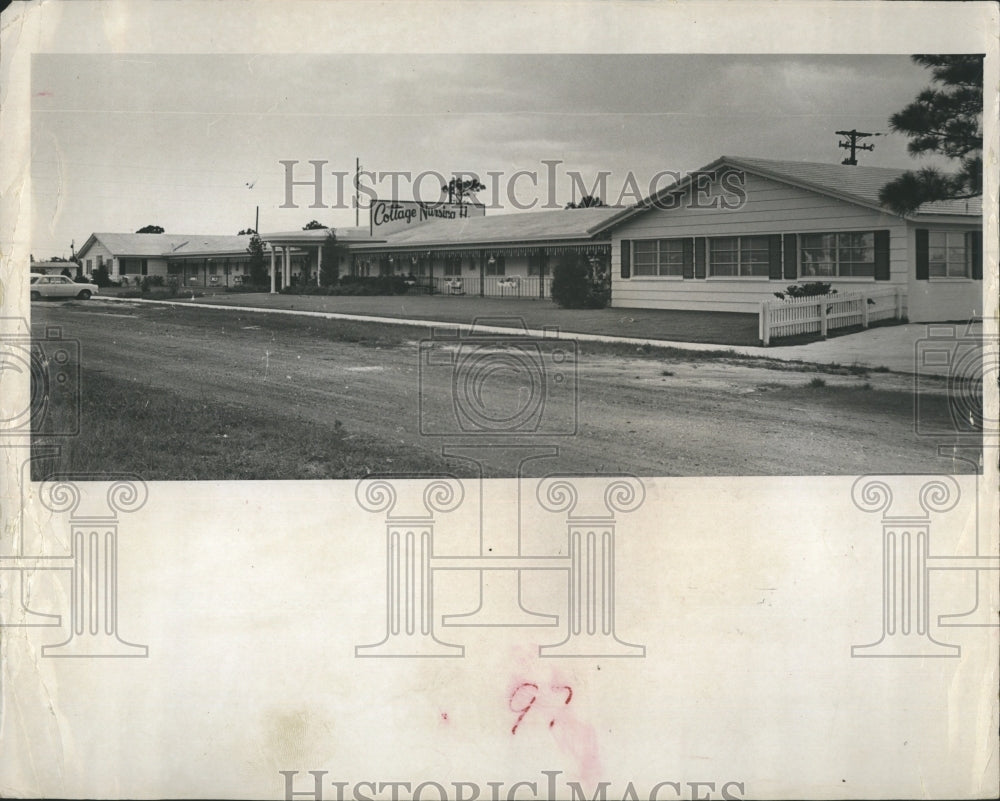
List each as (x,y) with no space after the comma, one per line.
(256,222)
(853,146)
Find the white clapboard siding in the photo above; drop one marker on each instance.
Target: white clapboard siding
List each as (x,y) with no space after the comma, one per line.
(771,208)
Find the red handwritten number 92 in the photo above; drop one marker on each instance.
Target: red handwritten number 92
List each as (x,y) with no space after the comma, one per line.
(525,695)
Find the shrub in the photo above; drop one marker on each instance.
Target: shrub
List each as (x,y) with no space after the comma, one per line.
(101,277)
(578,283)
(807,290)
(248,287)
(151,281)
(354,285)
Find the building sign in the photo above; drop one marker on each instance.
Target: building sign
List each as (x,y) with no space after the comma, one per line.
(389,216)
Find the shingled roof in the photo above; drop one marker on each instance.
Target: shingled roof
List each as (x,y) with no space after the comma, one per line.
(543,226)
(162,245)
(861,183)
(852,184)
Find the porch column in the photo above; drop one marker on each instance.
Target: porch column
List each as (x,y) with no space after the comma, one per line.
(319,263)
(482,273)
(272,269)
(540,256)
(286,266)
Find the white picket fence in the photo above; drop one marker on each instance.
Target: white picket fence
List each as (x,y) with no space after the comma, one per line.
(822,313)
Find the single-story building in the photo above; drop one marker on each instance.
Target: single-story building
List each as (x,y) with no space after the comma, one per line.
(190,259)
(52,267)
(728,236)
(299,254)
(502,255)
(724,238)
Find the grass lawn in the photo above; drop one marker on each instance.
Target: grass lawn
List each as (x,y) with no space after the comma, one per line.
(133,428)
(718,328)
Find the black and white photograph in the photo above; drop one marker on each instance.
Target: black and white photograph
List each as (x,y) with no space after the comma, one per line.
(551,400)
(655,264)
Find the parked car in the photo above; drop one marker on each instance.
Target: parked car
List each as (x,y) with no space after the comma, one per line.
(59,286)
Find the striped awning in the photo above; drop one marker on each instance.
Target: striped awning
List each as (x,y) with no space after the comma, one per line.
(585,248)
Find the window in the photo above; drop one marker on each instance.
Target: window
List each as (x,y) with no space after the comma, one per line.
(739,256)
(658,257)
(537,264)
(453,265)
(496,265)
(843,255)
(947,254)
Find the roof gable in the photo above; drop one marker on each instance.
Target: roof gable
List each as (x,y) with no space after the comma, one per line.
(164,245)
(859,185)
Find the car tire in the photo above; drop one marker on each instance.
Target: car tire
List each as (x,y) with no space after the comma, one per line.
(84,294)
(35,296)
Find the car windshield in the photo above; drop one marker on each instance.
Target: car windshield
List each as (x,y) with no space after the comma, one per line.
(34,278)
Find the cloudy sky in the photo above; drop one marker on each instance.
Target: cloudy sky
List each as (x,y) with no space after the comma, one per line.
(194,142)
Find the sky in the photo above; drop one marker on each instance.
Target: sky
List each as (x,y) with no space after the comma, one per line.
(194,143)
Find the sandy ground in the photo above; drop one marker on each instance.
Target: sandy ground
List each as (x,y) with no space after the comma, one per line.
(643,415)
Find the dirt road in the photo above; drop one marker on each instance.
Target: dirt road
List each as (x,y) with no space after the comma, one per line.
(640,413)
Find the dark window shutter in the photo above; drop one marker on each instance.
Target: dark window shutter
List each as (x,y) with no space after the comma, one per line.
(626,258)
(975,250)
(774,257)
(881,255)
(923,269)
(791,257)
(687,247)
(699,257)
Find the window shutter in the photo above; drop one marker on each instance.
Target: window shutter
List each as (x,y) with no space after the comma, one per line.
(923,268)
(688,255)
(626,258)
(791,257)
(699,257)
(774,257)
(974,248)
(881,255)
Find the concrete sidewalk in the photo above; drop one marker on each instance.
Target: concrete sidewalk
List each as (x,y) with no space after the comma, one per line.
(894,347)
(889,347)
